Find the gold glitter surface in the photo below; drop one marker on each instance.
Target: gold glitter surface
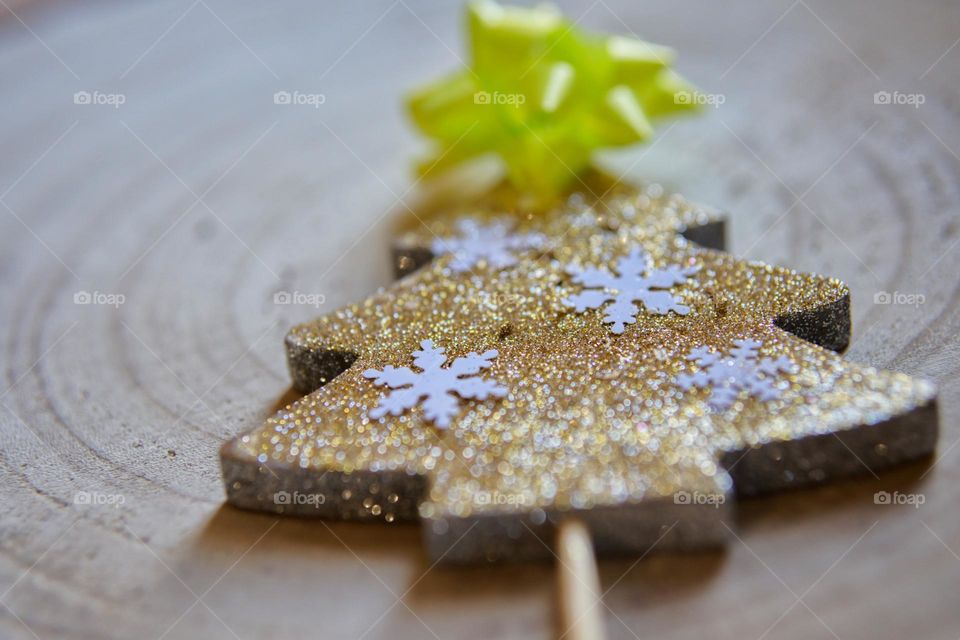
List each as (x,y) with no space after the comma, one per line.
(592,419)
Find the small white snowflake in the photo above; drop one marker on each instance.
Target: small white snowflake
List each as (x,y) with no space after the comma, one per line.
(493,243)
(727,377)
(435,383)
(631,285)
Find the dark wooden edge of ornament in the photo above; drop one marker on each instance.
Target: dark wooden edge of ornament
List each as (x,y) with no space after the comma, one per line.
(407,259)
(712,235)
(311,368)
(818,459)
(624,530)
(628,530)
(290,490)
(827,326)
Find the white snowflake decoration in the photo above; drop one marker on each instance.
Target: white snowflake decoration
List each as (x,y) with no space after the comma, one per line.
(436,384)
(630,286)
(493,243)
(743,371)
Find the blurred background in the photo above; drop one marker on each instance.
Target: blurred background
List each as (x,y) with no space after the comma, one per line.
(156,195)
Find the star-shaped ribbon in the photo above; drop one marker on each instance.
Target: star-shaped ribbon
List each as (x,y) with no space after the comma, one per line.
(543,95)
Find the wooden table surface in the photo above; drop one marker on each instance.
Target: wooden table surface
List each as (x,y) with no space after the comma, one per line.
(183,210)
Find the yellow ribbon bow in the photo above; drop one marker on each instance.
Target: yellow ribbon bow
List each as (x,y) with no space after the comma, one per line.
(543,95)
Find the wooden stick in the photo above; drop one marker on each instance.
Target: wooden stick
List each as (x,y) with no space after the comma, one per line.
(579,584)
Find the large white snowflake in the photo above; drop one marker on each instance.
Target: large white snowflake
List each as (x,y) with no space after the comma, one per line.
(636,282)
(436,384)
(493,243)
(742,371)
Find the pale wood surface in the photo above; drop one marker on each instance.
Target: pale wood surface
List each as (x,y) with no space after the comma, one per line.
(199,198)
